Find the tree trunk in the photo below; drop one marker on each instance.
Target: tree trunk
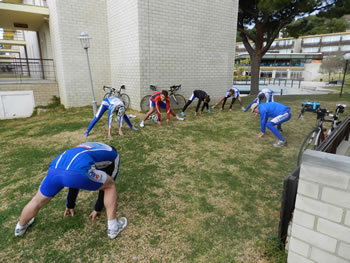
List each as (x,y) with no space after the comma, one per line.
(255,74)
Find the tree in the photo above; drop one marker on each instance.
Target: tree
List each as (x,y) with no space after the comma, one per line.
(268,18)
(313,25)
(332,64)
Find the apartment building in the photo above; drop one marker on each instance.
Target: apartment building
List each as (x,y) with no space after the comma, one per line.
(134,43)
(298,58)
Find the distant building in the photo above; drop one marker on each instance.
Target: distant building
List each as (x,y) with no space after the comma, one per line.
(298,58)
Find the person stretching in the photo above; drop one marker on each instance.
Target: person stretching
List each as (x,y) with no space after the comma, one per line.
(264,94)
(234,92)
(202,96)
(157,100)
(81,167)
(278,113)
(112,104)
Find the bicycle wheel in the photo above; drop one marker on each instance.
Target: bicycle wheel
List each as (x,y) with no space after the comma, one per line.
(126,100)
(311,141)
(177,102)
(144,105)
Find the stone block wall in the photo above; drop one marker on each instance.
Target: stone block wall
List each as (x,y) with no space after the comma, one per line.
(68,18)
(320,229)
(43,92)
(164,42)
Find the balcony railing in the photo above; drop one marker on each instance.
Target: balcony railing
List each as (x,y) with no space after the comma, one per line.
(12,35)
(24,69)
(42,3)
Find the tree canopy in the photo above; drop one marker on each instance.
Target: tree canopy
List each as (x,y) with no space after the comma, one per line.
(313,25)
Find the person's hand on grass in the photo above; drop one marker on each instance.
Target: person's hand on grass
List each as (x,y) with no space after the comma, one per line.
(260,134)
(69,211)
(94,214)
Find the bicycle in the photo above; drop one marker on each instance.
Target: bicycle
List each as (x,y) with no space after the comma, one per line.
(319,133)
(117,93)
(177,101)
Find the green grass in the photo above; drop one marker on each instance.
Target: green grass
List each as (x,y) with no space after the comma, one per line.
(203,190)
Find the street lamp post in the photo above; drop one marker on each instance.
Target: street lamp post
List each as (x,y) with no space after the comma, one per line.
(85,43)
(347,58)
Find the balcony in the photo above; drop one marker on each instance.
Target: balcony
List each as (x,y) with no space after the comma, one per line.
(25,15)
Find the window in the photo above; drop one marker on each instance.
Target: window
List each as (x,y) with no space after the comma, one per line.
(296,75)
(329,49)
(288,51)
(345,37)
(331,39)
(311,40)
(266,74)
(281,74)
(286,42)
(310,49)
(345,48)
(241,46)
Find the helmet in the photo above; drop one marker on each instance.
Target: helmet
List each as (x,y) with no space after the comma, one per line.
(121,111)
(155,118)
(261,96)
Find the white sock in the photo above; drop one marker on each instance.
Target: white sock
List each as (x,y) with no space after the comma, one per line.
(112,224)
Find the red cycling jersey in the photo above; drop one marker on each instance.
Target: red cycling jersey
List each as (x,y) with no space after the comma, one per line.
(156,99)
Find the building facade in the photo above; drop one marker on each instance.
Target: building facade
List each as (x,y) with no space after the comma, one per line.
(298,58)
(135,43)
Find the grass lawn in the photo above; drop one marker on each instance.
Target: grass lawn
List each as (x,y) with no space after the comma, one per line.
(202,190)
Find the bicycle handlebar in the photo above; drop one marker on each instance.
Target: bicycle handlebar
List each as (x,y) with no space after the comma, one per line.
(175,87)
(171,88)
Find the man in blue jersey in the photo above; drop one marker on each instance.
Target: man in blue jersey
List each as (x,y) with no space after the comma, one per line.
(278,113)
(82,167)
(232,92)
(113,105)
(266,94)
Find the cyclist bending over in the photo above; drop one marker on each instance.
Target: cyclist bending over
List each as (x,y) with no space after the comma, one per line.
(159,99)
(234,93)
(278,113)
(202,96)
(264,94)
(112,104)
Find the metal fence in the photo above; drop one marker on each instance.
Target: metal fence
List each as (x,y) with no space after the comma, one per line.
(268,81)
(290,185)
(36,69)
(30,2)
(12,35)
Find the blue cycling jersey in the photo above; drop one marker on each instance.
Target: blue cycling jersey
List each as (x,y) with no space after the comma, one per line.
(81,167)
(270,110)
(85,156)
(235,93)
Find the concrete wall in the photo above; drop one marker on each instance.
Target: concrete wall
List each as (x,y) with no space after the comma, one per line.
(311,72)
(43,92)
(68,18)
(321,223)
(164,42)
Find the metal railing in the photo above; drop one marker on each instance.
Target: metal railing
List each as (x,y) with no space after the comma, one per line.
(245,80)
(290,185)
(19,69)
(42,3)
(12,35)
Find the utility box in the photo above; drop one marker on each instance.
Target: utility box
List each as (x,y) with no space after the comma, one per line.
(16,104)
